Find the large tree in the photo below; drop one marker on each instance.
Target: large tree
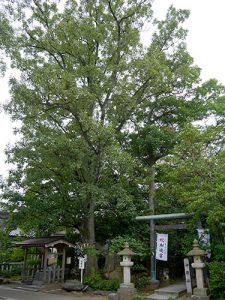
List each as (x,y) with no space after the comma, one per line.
(192,177)
(97,108)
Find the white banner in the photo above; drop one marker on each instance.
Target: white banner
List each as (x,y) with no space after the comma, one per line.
(81,262)
(204,239)
(162,246)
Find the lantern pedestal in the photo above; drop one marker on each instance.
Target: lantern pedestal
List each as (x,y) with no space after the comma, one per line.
(126,293)
(200,294)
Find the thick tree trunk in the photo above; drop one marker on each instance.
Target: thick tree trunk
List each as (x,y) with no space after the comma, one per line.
(92,262)
(112,268)
(151,195)
(91,224)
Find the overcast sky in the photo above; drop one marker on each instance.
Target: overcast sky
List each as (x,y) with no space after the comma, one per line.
(206,43)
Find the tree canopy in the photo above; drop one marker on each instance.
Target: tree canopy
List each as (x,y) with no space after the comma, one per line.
(97,109)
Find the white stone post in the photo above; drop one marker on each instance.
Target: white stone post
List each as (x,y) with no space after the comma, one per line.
(126,264)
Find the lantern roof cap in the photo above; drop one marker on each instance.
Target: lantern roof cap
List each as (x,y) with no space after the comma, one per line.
(126,251)
(196,251)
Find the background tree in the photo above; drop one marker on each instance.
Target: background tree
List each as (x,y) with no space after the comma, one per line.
(192,178)
(97,109)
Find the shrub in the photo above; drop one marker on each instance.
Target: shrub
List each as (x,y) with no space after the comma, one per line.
(218,252)
(138,298)
(139,268)
(142,282)
(216,279)
(96,282)
(11,273)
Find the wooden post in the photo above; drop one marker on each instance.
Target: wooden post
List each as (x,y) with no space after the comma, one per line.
(25,262)
(63,264)
(53,274)
(45,263)
(58,273)
(49,274)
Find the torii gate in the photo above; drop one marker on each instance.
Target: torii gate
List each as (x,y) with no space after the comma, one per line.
(152,219)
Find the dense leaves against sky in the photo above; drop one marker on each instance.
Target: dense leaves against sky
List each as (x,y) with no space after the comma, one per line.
(98,110)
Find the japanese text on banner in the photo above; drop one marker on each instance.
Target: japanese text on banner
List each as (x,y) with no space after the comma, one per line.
(162,246)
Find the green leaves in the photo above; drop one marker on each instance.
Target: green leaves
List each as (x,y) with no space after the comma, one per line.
(192,177)
(97,110)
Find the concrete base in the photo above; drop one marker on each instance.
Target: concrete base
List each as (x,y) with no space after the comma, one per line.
(194,297)
(200,294)
(154,284)
(172,291)
(113,296)
(126,292)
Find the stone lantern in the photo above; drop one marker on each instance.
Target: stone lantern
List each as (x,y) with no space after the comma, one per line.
(200,292)
(126,290)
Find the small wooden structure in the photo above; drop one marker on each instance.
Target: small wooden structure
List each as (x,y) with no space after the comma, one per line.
(49,260)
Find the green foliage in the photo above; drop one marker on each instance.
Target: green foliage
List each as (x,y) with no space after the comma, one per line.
(95,281)
(139,268)
(10,274)
(181,242)
(92,251)
(216,279)
(33,262)
(142,281)
(97,110)
(218,251)
(9,253)
(192,178)
(117,244)
(138,298)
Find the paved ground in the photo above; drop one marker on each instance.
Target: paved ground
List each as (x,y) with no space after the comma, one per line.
(12,293)
(53,292)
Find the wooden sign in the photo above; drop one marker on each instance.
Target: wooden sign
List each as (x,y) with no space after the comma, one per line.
(81,263)
(188,275)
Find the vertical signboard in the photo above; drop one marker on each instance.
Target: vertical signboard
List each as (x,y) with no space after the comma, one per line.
(188,275)
(162,246)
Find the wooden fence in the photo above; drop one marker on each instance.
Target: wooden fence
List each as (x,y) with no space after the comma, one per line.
(11,266)
(53,274)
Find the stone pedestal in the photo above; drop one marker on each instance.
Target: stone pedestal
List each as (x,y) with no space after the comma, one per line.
(200,294)
(113,296)
(126,292)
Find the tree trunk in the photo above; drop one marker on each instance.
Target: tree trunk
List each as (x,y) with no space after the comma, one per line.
(112,268)
(91,224)
(151,195)
(92,262)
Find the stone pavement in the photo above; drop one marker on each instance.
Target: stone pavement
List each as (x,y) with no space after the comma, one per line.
(171,291)
(54,290)
(51,290)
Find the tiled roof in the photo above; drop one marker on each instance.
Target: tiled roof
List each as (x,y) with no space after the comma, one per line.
(45,242)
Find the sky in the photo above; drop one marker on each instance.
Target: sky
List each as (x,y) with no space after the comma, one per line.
(205,42)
